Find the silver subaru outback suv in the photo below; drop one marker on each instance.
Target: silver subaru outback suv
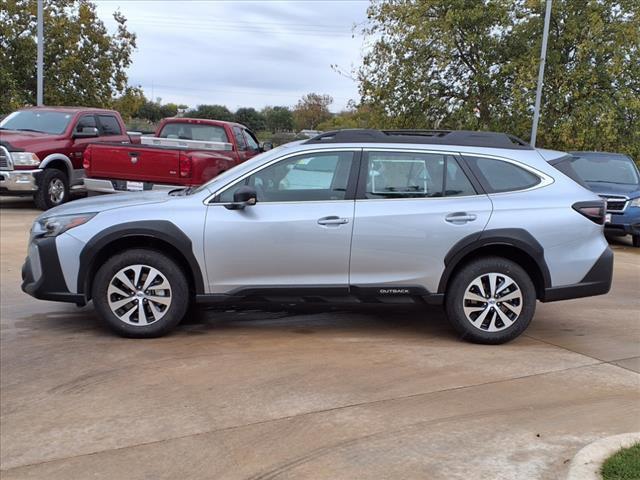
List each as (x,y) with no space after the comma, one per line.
(478,222)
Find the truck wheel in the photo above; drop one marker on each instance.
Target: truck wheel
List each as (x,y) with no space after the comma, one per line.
(490,300)
(53,189)
(141,293)
(635,240)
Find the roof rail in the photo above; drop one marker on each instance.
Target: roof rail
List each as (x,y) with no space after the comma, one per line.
(465,138)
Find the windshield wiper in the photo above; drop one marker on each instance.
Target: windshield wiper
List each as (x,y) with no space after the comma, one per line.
(28,130)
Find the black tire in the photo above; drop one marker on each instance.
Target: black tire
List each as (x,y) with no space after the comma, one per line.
(51,180)
(462,281)
(178,288)
(635,240)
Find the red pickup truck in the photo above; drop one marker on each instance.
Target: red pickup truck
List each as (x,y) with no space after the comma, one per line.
(41,149)
(184,152)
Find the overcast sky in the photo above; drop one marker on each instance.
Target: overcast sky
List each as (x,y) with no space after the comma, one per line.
(242,53)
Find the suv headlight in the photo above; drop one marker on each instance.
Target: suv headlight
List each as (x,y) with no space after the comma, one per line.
(635,202)
(25,159)
(57,224)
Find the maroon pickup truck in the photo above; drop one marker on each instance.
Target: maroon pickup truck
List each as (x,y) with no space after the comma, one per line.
(41,149)
(184,152)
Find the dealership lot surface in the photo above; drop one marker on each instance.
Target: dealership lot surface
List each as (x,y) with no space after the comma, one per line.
(350,394)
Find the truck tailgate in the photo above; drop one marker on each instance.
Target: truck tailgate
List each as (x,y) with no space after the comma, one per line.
(134,162)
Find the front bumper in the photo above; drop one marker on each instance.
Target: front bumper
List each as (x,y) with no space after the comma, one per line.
(117,186)
(626,223)
(42,275)
(597,281)
(19,181)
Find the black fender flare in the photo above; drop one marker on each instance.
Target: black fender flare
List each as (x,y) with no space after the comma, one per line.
(512,237)
(162,230)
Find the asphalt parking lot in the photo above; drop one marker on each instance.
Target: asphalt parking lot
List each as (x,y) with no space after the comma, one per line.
(354,394)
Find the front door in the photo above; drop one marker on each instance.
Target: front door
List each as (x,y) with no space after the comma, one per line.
(412,207)
(298,234)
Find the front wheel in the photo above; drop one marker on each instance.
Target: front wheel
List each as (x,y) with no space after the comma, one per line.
(635,240)
(53,189)
(141,293)
(491,300)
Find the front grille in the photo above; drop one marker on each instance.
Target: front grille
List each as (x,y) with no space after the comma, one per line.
(615,204)
(5,163)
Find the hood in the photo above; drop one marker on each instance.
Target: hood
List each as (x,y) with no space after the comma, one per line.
(107,202)
(606,188)
(25,141)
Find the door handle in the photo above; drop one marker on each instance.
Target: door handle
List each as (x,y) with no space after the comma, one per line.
(460,217)
(332,220)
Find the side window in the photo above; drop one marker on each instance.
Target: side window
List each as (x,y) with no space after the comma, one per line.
(456,183)
(237,132)
(404,175)
(109,125)
(251,141)
(311,177)
(86,121)
(499,176)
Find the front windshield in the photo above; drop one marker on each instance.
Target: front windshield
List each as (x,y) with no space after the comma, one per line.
(43,121)
(243,167)
(604,168)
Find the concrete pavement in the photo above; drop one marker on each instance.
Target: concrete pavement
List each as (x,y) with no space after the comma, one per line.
(355,394)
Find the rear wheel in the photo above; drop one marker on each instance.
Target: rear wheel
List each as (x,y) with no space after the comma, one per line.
(141,293)
(53,189)
(491,300)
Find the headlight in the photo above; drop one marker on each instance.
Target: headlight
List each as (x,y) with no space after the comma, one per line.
(54,226)
(635,202)
(25,159)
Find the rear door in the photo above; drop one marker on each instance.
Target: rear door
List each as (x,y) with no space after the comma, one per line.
(411,208)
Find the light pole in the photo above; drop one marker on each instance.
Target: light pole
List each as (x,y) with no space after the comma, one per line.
(543,57)
(40,56)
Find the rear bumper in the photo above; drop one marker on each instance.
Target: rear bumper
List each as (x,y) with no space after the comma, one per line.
(42,275)
(19,181)
(597,281)
(115,186)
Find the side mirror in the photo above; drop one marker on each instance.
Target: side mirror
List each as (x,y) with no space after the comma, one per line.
(245,196)
(86,132)
(266,146)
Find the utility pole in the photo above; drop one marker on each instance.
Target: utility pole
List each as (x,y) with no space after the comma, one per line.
(543,58)
(40,56)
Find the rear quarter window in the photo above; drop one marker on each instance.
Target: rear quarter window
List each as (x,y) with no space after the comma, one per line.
(500,176)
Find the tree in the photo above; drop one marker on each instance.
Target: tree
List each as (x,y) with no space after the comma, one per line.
(130,102)
(151,111)
(470,64)
(212,112)
(83,63)
(251,118)
(311,110)
(169,110)
(355,116)
(278,119)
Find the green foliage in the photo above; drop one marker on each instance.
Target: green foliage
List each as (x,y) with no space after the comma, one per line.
(624,465)
(130,102)
(356,116)
(278,119)
(473,65)
(212,112)
(83,63)
(311,110)
(251,118)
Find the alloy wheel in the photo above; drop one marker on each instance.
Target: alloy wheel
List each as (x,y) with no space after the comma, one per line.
(56,191)
(492,302)
(139,295)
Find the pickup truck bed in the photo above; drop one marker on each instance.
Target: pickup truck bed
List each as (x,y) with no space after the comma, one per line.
(166,161)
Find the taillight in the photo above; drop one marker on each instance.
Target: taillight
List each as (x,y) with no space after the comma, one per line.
(185,166)
(594,211)
(86,158)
